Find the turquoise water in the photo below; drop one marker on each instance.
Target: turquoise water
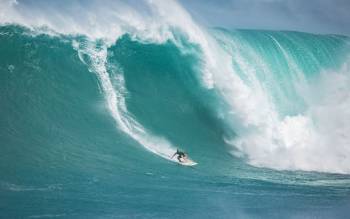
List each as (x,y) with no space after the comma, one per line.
(87,126)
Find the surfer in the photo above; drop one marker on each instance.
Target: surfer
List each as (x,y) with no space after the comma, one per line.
(181,156)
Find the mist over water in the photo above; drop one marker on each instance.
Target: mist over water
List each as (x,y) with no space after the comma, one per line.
(96,98)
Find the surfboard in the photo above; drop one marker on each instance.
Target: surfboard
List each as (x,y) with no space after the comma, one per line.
(186,162)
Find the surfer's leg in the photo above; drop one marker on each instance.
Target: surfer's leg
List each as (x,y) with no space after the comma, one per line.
(179,158)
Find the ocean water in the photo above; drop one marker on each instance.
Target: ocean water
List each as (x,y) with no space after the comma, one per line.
(89,119)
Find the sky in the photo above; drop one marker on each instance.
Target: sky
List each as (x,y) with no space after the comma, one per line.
(315,16)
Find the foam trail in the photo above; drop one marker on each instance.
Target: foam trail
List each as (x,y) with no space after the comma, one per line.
(97,61)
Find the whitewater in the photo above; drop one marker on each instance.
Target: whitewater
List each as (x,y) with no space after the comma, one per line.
(95,99)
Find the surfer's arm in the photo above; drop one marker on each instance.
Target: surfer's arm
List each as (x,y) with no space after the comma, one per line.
(173,155)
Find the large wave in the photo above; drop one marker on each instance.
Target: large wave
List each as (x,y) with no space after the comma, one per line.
(281,96)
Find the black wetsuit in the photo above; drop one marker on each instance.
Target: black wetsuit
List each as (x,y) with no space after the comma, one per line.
(180,155)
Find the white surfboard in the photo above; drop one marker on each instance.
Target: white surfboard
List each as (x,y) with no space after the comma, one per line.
(188,163)
(185,162)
